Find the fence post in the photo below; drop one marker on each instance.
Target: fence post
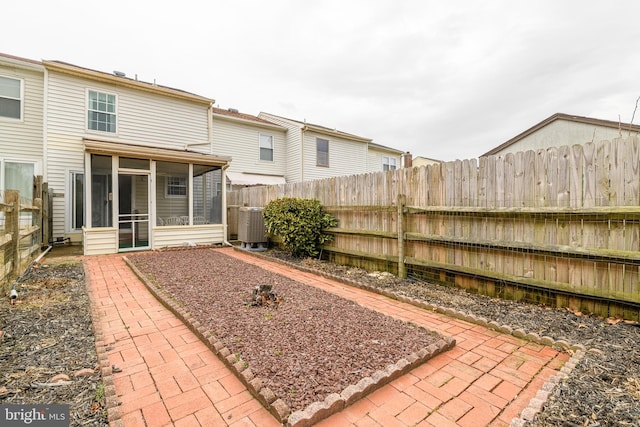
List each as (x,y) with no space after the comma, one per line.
(38,219)
(12,215)
(46,214)
(402,269)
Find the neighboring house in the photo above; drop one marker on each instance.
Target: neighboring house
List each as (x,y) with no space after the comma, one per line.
(121,156)
(256,146)
(317,152)
(21,124)
(564,129)
(381,158)
(424,161)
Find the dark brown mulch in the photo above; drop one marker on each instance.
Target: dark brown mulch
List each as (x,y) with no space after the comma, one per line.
(304,348)
(603,390)
(46,333)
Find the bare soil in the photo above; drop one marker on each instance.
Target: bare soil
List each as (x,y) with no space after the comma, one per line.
(48,332)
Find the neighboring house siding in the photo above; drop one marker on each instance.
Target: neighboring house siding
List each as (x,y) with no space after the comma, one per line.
(375,159)
(565,130)
(240,141)
(293,147)
(561,133)
(143,117)
(345,157)
(22,140)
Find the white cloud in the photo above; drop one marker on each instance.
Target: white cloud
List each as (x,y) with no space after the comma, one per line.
(438,79)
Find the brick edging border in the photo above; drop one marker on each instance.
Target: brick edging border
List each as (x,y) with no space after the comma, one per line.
(314,412)
(106,370)
(536,404)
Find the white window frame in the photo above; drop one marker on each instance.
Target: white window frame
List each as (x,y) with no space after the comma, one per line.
(388,162)
(89,110)
(318,151)
(176,196)
(262,145)
(21,99)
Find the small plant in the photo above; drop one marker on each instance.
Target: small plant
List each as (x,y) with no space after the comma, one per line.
(277,352)
(300,224)
(268,316)
(99,394)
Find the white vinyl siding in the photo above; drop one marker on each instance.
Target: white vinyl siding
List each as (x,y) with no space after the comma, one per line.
(292,147)
(11,98)
(239,141)
(345,157)
(209,234)
(144,118)
(378,158)
(24,138)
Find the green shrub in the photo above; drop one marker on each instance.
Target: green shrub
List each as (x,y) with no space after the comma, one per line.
(299,223)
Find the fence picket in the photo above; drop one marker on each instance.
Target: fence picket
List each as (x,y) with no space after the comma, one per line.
(564,219)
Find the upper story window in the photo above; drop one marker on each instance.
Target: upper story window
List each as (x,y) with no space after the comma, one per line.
(322,152)
(266,147)
(10,98)
(101,112)
(389,164)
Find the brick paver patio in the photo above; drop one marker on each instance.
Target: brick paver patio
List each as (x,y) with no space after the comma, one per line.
(168,377)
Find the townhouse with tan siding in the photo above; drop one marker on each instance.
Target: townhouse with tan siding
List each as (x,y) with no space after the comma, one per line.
(22,139)
(131,162)
(257,147)
(317,152)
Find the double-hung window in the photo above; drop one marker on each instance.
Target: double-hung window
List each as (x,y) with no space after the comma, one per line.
(322,152)
(11,98)
(388,163)
(176,186)
(266,147)
(101,111)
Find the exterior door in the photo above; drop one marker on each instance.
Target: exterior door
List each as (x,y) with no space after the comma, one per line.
(133,212)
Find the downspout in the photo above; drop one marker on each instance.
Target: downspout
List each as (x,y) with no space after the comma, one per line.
(210,126)
(302,129)
(45,126)
(225,229)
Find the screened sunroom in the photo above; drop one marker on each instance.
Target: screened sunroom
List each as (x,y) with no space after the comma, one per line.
(139,198)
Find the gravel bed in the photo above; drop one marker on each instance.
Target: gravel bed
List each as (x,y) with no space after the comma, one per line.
(305,347)
(602,390)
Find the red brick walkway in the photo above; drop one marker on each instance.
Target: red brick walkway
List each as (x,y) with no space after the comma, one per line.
(170,378)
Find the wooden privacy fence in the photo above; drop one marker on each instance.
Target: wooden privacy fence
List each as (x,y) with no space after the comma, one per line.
(24,228)
(559,226)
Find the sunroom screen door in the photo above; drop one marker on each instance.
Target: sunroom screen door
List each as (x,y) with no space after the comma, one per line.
(133,212)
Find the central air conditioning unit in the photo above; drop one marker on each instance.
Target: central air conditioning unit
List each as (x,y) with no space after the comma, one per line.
(251,231)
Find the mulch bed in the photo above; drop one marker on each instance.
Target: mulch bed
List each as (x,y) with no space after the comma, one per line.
(48,333)
(304,344)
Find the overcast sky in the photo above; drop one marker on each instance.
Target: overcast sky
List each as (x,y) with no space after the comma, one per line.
(441,79)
